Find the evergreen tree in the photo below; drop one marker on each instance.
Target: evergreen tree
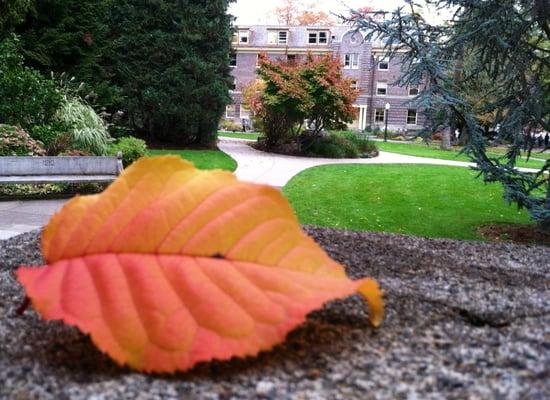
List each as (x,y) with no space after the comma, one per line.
(171,61)
(70,36)
(510,41)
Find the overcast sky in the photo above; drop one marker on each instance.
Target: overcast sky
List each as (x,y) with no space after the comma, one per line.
(250,12)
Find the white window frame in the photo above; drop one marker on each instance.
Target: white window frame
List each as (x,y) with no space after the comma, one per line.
(381,85)
(384,61)
(246,114)
(232,56)
(230,108)
(384,115)
(413,88)
(415,116)
(234,88)
(241,34)
(279,41)
(318,37)
(351,61)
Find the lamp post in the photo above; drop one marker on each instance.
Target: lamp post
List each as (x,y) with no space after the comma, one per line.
(387,107)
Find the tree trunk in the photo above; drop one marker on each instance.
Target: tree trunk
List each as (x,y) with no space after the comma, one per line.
(446,139)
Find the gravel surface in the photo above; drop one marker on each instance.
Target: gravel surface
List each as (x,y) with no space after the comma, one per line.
(465,320)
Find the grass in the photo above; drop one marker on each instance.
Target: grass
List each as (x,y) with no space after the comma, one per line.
(432,151)
(203,159)
(237,135)
(423,200)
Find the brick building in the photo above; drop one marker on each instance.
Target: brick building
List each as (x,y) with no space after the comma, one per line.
(363,62)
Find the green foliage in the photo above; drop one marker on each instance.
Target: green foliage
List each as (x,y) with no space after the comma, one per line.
(510,43)
(12,12)
(88,130)
(132,149)
(15,141)
(26,98)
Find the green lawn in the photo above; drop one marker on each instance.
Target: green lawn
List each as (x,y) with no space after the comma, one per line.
(424,200)
(237,135)
(203,159)
(432,151)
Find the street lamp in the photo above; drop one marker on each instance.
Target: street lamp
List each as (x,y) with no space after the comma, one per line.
(387,107)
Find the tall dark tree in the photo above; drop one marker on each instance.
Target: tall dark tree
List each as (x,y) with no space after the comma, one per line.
(171,61)
(510,41)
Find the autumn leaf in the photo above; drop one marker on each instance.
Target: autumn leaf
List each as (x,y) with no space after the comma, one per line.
(171,266)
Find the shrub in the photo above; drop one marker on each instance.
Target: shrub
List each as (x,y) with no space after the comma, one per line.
(231,126)
(26,97)
(89,131)
(132,149)
(334,145)
(15,141)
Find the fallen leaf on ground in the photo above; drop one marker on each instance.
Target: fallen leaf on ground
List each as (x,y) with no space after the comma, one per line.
(172,266)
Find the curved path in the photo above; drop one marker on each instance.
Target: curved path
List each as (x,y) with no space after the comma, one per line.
(277,169)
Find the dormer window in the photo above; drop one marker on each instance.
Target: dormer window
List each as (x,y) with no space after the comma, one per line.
(277,37)
(318,37)
(243,36)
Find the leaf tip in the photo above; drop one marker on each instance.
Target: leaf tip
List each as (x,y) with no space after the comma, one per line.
(370,290)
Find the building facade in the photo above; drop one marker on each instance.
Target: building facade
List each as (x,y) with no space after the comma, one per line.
(363,62)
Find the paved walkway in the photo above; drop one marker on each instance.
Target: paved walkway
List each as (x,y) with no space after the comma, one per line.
(17,217)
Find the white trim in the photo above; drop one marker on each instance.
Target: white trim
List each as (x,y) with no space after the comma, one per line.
(381,85)
(353,59)
(415,117)
(374,115)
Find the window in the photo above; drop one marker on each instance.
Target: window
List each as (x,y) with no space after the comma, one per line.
(380,115)
(413,91)
(381,88)
(318,37)
(243,37)
(233,84)
(233,59)
(230,111)
(411,117)
(354,85)
(245,112)
(351,61)
(258,61)
(384,65)
(277,37)
(291,58)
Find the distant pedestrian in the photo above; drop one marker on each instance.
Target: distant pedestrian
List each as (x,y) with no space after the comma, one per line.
(540,141)
(244,124)
(546,140)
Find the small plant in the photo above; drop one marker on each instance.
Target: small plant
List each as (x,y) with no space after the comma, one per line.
(231,126)
(132,149)
(15,141)
(89,131)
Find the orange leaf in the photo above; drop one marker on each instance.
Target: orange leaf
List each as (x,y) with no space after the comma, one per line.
(172,266)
